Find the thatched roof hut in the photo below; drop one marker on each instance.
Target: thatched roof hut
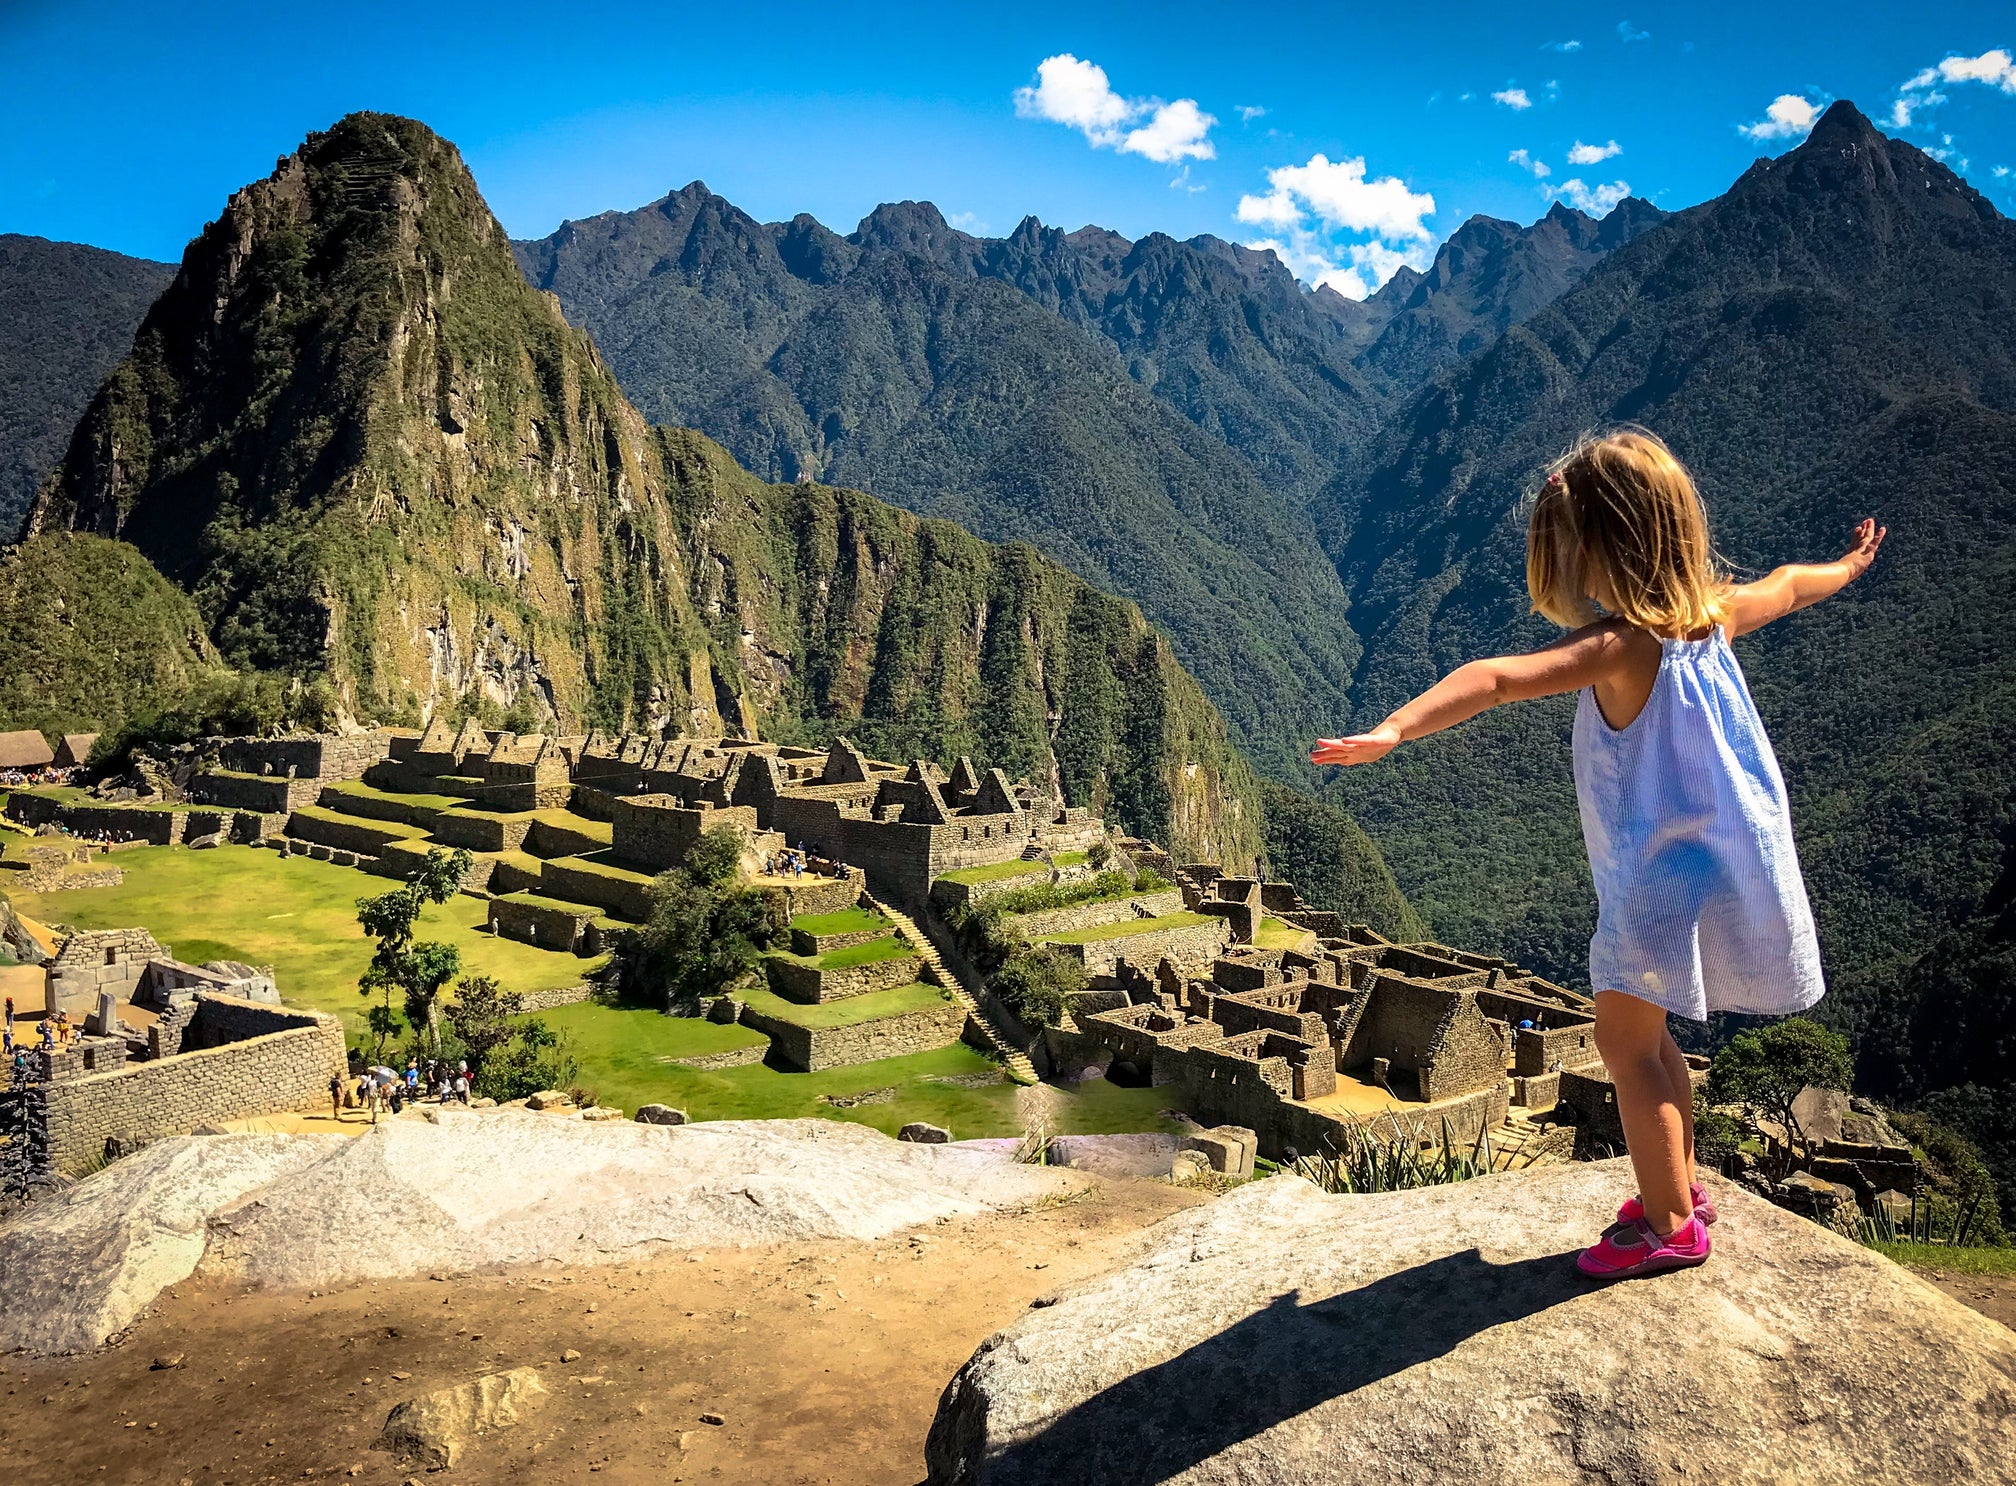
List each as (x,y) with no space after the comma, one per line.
(24,750)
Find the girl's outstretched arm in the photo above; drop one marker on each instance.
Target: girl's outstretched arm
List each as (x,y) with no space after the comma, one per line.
(1591,655)
(1798,585)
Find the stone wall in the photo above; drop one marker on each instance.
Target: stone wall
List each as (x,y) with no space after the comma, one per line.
(657,832)
(1186,944)
(120,822)
(810,1049)
(264,794)
(71,1123)
(320,756)
(575,882)
(377,807)
(531,1001)
(810,945)
(480,830)
(345,833)
(809,985)
(548,925)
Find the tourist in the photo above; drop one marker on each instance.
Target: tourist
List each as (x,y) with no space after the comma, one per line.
(462,1085)
(10,1016)
(412,1075)
(336,1096)
(1700,906)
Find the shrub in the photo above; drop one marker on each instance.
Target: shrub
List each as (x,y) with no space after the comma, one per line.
(1037,984)
(1765,1071)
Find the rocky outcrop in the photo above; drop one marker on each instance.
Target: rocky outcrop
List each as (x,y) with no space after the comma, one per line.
(80,1266)
(1284,1336)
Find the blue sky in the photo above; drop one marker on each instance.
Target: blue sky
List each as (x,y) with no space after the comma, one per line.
(1352,136)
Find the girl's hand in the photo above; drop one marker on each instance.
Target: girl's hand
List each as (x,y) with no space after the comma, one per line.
(1868,537)
(1360,748)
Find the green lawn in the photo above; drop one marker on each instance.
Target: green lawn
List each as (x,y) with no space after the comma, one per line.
(846,921)
(601,830)
(604,864)
(1126,928)
(888,947)
(540,900)
(848,1011)
(391,830)
(1945,1256)
(293,913)
(624,1057)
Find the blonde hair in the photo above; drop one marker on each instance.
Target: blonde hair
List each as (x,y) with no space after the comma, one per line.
(1619,520)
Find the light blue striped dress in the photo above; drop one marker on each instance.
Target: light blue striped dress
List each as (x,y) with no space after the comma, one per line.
(1700,904)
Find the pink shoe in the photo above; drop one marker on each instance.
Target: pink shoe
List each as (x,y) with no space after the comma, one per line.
(1704,1206)
(1628,1250)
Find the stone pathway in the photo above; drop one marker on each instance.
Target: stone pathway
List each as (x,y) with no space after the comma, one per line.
(1019,1067)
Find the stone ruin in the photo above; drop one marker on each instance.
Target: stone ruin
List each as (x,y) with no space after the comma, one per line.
(165,1048)
(1291,1043)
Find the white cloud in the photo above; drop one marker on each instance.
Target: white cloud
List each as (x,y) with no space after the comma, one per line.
(1597,201)
(1513,98)
(1248,112)
(966,222)
(1593,154)
(1174,131)
(1628,33)
(2000,172)
(1788,117)
(1920,91)
(1354,270)
(1524,161)
(1078,95)
(1307,207)
(1562,46)
(1339,194)
(1465,97)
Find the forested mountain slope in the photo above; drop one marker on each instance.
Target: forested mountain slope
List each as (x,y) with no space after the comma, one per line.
(1835,337)
(67,314)
(1153,414)
(371,453)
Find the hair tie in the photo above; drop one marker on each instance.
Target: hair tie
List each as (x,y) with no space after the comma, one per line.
(1555,479)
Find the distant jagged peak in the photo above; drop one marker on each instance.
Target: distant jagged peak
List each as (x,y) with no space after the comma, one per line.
(914,227)
(1842,124)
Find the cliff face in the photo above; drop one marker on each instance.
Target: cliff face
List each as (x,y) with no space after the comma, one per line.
(369,450)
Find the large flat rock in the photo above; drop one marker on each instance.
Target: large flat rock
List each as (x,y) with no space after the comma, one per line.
(509,1187)
(480,1189)
(1280,1337)
(81,1265)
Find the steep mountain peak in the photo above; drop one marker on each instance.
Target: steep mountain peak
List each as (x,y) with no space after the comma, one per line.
(916,228)
(1842,124)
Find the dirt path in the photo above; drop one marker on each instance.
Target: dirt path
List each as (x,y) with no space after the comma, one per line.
(1993,1295)
(824,1359)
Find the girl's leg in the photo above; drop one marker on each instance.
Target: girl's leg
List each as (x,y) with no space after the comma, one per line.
(1683,1093)
(1629,1035)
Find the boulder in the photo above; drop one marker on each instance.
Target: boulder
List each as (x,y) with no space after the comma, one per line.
(1820,1113)
(434,1429)
(659,1114)
(1187,1166)
(1286,1337)
(726,1010)
(595,1114)
(1229,1148)
(549,1099)
(919,1133)
(205,842)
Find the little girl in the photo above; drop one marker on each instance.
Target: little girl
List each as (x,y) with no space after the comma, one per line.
(1700,903)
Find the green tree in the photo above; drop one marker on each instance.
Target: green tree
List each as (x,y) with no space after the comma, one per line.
(1037,983)
(417,969)
(1765,1071)
(481,1016)
(705,932)
(535,1058)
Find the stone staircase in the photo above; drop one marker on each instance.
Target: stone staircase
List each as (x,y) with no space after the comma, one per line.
(1017,1062)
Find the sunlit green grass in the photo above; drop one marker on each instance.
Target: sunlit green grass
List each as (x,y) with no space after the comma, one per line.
(848,1011)
(846,921)
(625,1053)
(1946,1256)
(293,913)
(1126,928)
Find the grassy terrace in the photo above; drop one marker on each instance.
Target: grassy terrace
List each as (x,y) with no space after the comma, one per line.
(364,791)
(601,830)
(293,913)
(626,1055)
(391,830)
(888,947)
(1127,928)
(604,864)
(1945,1256)
(539,900)
(1275,934)
(846,921)
(69,794)
(1000,871)
(849,1011)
